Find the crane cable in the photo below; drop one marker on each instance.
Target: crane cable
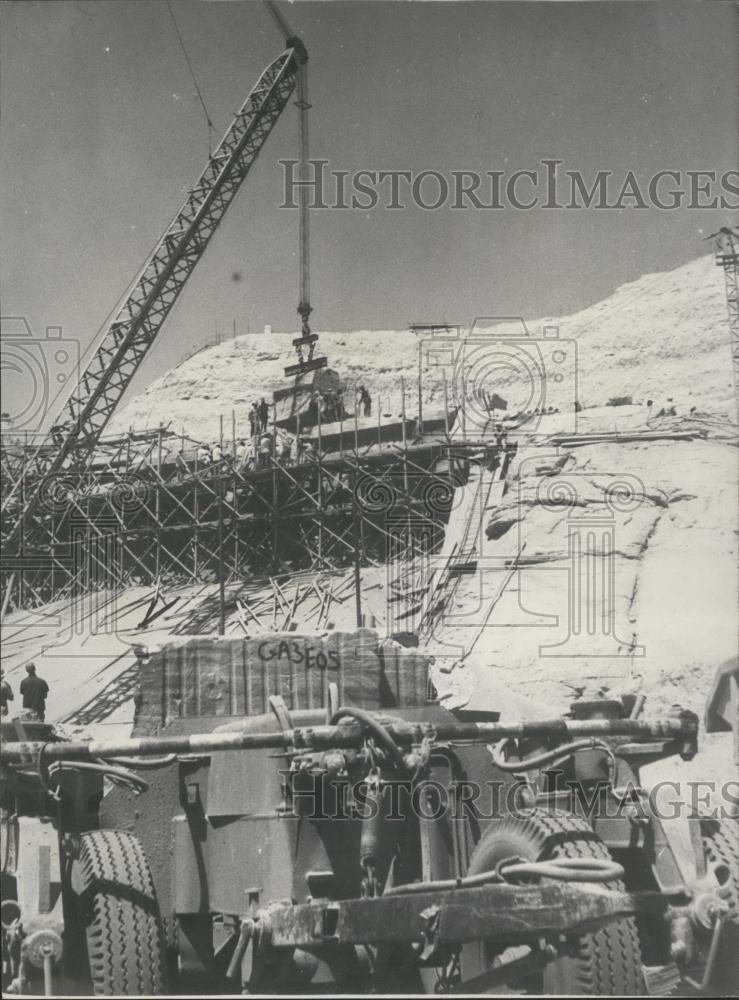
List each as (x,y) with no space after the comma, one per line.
(211,126)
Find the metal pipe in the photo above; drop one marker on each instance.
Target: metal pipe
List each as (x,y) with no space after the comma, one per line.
(356,530)
(378,730)
(245,936)
(221,567)
(48,978)
(344,735)
(445,885)
(538,760)
(638,705)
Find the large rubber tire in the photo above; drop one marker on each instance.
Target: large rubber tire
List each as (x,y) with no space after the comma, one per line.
(606,963)
(125,940)
(721,844)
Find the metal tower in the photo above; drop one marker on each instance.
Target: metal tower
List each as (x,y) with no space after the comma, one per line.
(727,257)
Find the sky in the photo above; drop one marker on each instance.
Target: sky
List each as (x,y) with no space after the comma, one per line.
(102,133)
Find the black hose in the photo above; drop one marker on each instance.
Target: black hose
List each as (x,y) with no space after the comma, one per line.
(376,728)
(143,762)
(565,869)
(114,773)
(537,760)
(443,885)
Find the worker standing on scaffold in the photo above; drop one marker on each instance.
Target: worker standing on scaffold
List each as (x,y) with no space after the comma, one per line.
(365,401)
(263,415)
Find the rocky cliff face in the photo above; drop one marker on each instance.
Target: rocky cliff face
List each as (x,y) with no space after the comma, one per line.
(627,578)
(627,568)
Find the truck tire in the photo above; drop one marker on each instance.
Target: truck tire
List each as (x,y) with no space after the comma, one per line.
(721,844)
(607,962)
(125,941)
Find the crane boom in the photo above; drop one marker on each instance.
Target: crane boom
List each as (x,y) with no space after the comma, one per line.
(138,321)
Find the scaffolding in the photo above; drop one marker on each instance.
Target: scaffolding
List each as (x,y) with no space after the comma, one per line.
(149,511)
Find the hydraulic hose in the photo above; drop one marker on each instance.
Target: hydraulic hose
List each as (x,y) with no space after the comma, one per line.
(143,762)
(381,734)
(564,869)
(538,760)
(442,885)
(114,773)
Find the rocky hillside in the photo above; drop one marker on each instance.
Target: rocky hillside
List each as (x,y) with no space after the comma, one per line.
(662,336)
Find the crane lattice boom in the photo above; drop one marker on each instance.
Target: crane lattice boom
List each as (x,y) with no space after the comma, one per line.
(137,323)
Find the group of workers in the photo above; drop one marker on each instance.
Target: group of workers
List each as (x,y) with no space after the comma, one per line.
(259,417)
(330,404)
(265,443)
(33,690)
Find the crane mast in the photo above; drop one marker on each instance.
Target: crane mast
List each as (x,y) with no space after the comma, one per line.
(129,336)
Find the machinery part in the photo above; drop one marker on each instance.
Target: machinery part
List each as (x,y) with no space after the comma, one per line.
(559,753)
(42,945)
(566,869)
(121,774)
(377,729)
(11,945)
(152,762)
(721,968)
(607,962)
(280,712)
(471,913)
(371,841)
(10,912)
(125,939)
(43,948)
(245,935)
(326,737)
(444,885)
(333,700)
(720,842)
